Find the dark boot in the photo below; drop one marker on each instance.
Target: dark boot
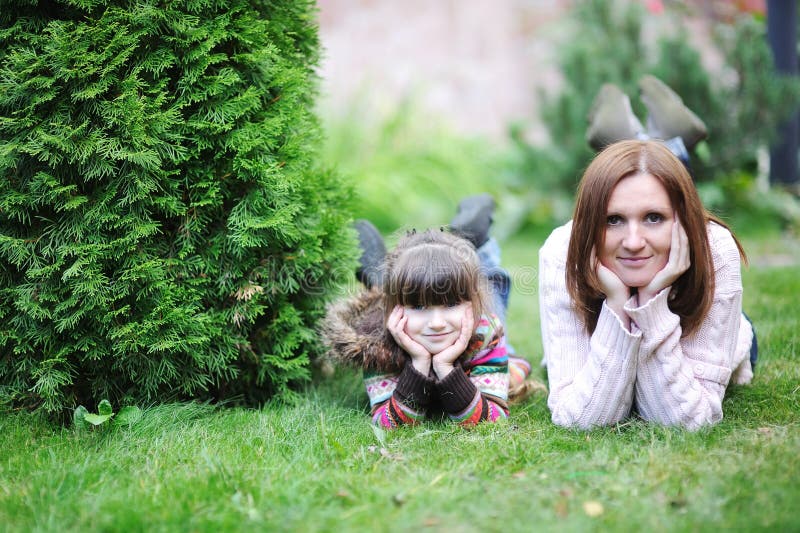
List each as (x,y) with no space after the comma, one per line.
(667,116)
(473,218)
(373,252)
(611,118)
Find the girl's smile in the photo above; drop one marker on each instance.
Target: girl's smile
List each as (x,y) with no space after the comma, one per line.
(435,327)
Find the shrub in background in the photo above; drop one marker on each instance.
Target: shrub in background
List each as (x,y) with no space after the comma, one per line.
(742,107)
(602,44)
(607,41)
(166,230)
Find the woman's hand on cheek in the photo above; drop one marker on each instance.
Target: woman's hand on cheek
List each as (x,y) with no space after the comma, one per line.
(396,324)
(617,293)
(677,264)
(444,360)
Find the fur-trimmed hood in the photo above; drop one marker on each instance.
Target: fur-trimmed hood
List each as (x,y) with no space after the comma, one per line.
(354,333)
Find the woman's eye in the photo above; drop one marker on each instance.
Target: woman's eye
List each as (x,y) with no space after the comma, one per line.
(654,218)
(418,307)
(453,304)
(614,220)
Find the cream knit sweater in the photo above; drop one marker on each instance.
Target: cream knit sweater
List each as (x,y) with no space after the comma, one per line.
(596,379)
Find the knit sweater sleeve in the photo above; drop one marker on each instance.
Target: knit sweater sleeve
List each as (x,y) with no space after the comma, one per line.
(682,381)
(398,399)
(591,377)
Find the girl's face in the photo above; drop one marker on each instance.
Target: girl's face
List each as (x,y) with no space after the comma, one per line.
(435,327)
(638,230)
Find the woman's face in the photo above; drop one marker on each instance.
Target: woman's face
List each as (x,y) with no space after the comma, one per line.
(638,230)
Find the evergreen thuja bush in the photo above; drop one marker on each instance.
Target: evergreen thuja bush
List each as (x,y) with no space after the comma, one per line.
(166,230)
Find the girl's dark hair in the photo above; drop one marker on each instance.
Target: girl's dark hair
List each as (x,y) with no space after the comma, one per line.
(434,268)
(693,292)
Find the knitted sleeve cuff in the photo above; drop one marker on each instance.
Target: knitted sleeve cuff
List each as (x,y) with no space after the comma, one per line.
(612,331)
(414,389)
(456,391)
(654,314)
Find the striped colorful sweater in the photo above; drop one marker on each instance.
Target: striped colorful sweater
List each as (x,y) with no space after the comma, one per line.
(475,390)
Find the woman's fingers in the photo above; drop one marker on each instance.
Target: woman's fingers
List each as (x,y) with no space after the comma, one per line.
(677,263)
(679,252)
(610,284)
(685,258)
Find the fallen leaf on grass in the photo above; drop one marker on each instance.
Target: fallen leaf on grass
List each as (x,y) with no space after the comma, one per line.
(385,453)
(436,480)
(389,455)
(593,508)
(431,521)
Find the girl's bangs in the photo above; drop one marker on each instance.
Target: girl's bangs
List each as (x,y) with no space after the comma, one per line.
(430,280)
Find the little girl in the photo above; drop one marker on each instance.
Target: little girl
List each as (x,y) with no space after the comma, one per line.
(426,338)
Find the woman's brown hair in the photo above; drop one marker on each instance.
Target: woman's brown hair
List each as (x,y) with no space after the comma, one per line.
(693,292)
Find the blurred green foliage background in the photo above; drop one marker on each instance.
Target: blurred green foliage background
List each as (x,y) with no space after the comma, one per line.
(410,171)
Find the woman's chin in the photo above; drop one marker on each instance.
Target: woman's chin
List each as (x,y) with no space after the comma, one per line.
(634,278)
(637,282)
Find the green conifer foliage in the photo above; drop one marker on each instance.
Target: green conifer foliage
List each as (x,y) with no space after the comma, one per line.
(166,229)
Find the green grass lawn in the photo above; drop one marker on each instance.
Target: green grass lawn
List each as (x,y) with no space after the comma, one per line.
(318,465)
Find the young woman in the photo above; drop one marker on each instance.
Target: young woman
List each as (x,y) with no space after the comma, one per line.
(426,337)
(641,298)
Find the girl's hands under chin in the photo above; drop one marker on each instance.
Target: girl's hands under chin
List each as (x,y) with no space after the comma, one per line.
(444,360)
(677,264)
(396,324)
